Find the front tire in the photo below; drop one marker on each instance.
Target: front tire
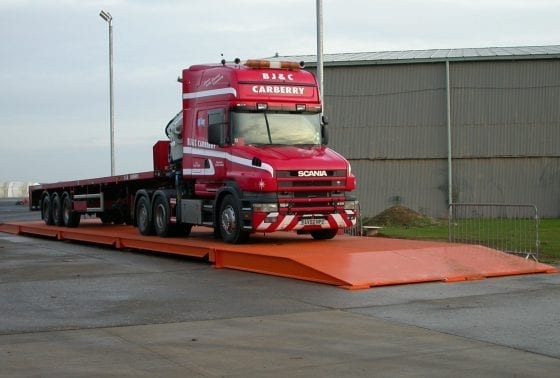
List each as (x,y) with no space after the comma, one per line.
(324,234)
(230,223)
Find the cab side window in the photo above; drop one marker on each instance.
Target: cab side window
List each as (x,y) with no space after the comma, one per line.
(217,127)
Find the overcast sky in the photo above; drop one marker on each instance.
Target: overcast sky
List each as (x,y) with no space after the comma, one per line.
(54,80)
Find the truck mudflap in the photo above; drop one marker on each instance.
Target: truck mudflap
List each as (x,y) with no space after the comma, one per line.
(269,222)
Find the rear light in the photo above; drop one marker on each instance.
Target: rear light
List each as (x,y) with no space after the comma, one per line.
(300,107)
(262,106)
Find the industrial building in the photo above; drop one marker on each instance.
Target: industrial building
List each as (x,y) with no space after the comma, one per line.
(14,189)
(426,127)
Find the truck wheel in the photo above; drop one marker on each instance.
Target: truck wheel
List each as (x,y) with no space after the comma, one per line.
(56,209)
(161,217)
(143,221)
(324,234)
(46,210)
(229,221)
(69,218)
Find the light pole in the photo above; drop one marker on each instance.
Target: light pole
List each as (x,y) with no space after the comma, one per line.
(107,17)
(319,11)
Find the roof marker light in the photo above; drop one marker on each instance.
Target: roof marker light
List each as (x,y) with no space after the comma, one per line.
(284,65)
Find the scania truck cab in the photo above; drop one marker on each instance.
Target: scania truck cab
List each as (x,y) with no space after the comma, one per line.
(254,151)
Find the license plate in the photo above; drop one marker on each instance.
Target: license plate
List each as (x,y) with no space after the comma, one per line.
(311,221)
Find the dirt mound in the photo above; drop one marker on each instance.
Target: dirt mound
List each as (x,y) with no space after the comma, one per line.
(399,216)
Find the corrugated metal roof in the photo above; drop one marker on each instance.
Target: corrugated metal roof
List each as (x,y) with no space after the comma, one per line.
(430,56)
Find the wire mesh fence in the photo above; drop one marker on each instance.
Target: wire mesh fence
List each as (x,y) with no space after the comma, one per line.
(509,228)
(357,229)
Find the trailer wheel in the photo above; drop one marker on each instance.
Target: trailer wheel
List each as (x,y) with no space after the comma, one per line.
(324,234)
(46,210)
(229,221)
(69,218)
(56,209)
(143,221)
(161,217)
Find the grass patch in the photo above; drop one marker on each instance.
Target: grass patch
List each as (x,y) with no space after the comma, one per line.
(549,233)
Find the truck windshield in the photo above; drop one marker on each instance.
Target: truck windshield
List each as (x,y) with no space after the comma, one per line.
(276,128)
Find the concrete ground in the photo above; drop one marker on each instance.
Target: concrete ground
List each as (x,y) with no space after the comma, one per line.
(70,309)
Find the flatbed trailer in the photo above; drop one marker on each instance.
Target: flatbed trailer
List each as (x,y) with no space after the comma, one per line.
(109,198)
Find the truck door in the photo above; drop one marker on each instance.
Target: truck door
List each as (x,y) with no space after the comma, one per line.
(217,123)
(199,134)
(208,160)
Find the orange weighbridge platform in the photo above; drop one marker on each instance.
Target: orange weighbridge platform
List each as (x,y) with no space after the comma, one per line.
(347,262)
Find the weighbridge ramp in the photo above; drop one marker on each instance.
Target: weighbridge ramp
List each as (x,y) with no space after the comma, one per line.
(347,262)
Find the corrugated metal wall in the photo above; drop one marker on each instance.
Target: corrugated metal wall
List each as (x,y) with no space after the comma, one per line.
(390,122)
(506,108)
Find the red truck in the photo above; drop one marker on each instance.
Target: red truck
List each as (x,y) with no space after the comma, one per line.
(246,154)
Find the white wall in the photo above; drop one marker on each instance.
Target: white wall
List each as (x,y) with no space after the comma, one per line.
(14,189)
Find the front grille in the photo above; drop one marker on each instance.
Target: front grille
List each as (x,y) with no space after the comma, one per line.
(312,173)
(303,180)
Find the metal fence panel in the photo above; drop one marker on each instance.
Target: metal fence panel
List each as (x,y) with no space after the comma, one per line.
(509,228)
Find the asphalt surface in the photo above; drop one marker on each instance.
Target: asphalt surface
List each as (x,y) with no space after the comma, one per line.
(70,310)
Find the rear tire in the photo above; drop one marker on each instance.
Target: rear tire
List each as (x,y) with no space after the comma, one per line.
(324,234)
(143,218)
(230,223)
(161,215)
(70,218)
(56,209)
(46,210)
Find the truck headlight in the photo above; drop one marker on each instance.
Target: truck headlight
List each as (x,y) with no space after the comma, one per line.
(265,207)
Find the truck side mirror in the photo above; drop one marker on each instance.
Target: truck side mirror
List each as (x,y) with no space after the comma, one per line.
(324,132)
(324,135)
(216,134)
